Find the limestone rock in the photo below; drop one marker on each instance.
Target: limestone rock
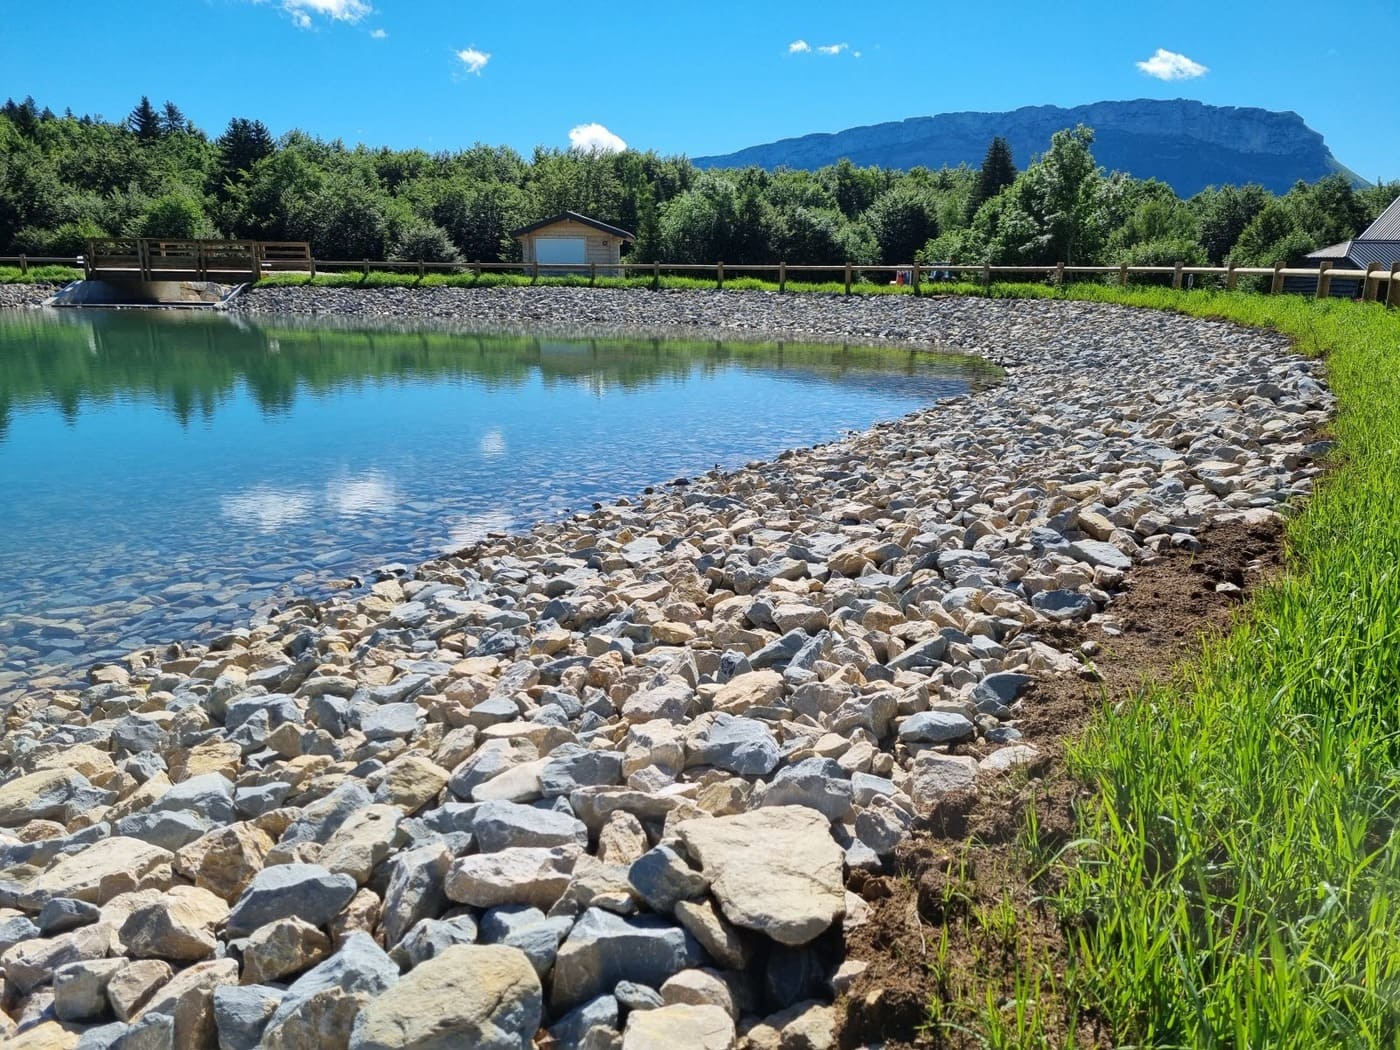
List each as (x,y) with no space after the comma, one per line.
(775,870)
(433,1008)
(669,1027)
(281,948)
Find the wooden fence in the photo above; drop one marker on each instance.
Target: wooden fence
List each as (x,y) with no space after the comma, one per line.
(150,259)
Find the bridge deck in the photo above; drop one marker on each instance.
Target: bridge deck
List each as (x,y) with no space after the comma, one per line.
(224,261)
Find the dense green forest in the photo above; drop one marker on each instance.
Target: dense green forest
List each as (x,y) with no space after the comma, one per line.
(66,178)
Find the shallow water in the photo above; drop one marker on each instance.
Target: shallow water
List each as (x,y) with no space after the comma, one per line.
(166,474)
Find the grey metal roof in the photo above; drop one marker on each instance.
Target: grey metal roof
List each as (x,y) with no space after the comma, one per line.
(1332,251)
(573,216)
(1387,227)
(1383,252)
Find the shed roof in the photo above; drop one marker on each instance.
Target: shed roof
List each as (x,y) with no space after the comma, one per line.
(573,216)
(1332,251)
(1385,228)
(1364,253)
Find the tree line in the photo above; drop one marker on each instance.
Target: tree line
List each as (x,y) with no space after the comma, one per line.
(65,178)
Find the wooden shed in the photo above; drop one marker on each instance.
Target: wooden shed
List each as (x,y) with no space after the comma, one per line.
(574,241)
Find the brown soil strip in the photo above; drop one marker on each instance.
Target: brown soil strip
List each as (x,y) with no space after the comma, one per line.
(963,860)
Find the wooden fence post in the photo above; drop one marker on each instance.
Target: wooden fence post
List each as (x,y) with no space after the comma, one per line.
(422,271)
(914,277)
(534,271)
(782,276)
(1370,287)
(366,268)
(986,275)
(1176,277)
(313,267)
(655,276)
(23,263)
(1123,275)
(848,278)
(1232,279)
(592,274)
(1324,280)
(1277,284)
(1392,296)
(719,275)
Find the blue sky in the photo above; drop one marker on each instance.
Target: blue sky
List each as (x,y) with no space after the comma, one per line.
(687,77)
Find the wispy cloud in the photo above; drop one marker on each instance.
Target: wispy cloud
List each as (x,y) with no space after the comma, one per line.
(594,138)
(304,12)
(474,60)
(378,34)
(832,49)
(799,47)
(1168,65)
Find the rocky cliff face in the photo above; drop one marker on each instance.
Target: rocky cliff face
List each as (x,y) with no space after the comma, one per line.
(1186,144)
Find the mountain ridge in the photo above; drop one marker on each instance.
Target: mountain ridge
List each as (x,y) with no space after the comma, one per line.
(1185,143)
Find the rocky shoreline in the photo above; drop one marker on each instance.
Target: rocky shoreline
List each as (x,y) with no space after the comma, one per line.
(617,769)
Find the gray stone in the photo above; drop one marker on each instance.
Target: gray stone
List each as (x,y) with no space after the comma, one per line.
(390,721)
(151,1031)
(168,830)
(507,825)
(61,914)
(429,938)
(634,996)
(928,653)
(662,878)
(817,783)
(739,745)
(1063,605)
(323,818)
(604,948)
(103,1037)
(529,930)
(241,1013)
(1005,687)
(415,891)
(1097,552)
(303,891)
(570,1030)
(571,766)
(209,795)
(320,1006)
(80,988)
(936,727)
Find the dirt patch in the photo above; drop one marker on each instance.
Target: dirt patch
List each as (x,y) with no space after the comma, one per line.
(963,900)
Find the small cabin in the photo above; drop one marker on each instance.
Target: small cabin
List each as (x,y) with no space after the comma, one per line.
(572,243)
(1378,244)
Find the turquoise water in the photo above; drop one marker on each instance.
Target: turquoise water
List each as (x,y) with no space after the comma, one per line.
(166,474)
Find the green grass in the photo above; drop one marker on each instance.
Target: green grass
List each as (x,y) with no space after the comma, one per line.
(39,275)
(1238,879)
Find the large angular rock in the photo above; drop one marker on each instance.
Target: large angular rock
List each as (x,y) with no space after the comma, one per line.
(319,1009)
(527,875)
(303,891)
(241,1014)
(746,691)
(776,870)
(225,860)
(662,878)
(209,796)
(603,949)
(935,775)
(507,825)
(669,1027)
(180,926)
(98,872)
(431,937)
(282,948)
(131,987)
(320,820)
(814,783)
(50,794)
(29,964)
(362,841)
(433,1008)
(416,889)
(739,745)
(80,988)
(188,998)
(936,727)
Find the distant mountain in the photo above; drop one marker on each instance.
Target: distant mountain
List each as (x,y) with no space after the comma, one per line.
(1186,144)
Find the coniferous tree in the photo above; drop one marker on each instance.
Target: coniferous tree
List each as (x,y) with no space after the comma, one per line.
(997,173)
(172,121)
(145,121)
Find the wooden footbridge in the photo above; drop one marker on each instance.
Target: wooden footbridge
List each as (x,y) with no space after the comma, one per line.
(225,262)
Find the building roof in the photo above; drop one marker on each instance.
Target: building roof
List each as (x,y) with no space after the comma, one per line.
(1365,252)
(573,216)
(1387,227)
(1332,251)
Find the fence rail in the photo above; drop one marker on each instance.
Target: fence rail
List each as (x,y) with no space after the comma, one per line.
(149,259)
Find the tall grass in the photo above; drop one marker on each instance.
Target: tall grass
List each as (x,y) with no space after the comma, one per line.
(39,275)
(1238,883)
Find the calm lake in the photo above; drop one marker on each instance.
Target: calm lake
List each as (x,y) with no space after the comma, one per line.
(165,474)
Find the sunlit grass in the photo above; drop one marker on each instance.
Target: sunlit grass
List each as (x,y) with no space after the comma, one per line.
(39,275)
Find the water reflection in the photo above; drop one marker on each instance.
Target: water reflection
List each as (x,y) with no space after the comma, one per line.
(168,474)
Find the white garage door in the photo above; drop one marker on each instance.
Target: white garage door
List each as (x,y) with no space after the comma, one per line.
(560,250)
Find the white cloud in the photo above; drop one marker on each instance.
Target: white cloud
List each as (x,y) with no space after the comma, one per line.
(474,60)
(302,11)
(832,49)
(1168,65)
(378,34)
(266,509)
(370,493)
(799,47)
(594,138)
